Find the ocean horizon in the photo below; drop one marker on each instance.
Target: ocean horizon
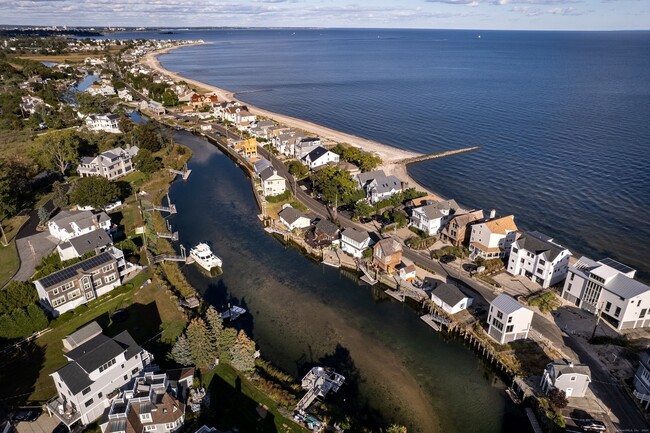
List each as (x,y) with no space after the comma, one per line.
(561,116)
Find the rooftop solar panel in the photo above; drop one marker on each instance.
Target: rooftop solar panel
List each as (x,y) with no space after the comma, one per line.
(71,271)
(616,265)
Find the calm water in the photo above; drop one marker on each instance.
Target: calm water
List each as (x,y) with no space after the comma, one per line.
(304,313)
(562,116)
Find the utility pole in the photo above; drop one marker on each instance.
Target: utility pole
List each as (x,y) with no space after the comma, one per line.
(593,334)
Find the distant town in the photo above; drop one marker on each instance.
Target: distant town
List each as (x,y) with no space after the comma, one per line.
(87,156)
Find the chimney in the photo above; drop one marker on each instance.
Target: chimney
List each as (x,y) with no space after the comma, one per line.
(493,213)
(95,221)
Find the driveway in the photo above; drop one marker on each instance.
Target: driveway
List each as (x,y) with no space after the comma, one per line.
(31,250)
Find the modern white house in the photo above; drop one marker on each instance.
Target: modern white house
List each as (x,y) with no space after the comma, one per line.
(573,379)
(149,404)
(355,242)
(293,219)
(111,164)
(96,240)
(642,380)
(272,182)
(609,288)
(538,258)
(492,239)
(432,217)
(508,320)
(98,366)
(124,95)
(101,88)
(320,157)
(103,122)
(70,224)
(450,298)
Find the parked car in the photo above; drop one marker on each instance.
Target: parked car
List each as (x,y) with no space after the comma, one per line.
(592,425)
(447,258)
(29,415)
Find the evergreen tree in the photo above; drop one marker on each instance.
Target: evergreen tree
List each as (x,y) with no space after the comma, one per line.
(226,341)
(181,352)
(60,198)
(215,323)
(17,294)
(22,325)
(243,353)
(202,346)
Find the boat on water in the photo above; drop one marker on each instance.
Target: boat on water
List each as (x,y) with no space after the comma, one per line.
(513,396)
(232,313)
(202,254)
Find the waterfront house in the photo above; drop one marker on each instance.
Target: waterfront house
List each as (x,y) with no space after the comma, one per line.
(66,289)
(566,376)
(508,320)
(387,254)
(96,240)
(323,233)
(355,242)
(101,88)
(320,157)
(492,239)
(535,256)
(432,217)
(363,179)
(33,104)
(407,272)
(458,229)
(98,366)
(304,145)
(111,164)
(238,114)
(198,102)
(149,404)
(349,167)
(248,147)
(124,95)
(450,298)
(285,141)
(103,122)
(642,380)
(293,219)
(382,188)
(608,288)
(154,107)
(272,182)
(262,164)
(69,224)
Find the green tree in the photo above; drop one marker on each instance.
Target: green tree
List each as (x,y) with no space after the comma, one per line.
(56,149)
(17,294)
(558,398)
(226,341)
(336,186)
(145,136)
(95,191)
(42,215)
(396,428)
(37,318)
(146,162)
(243,353)
(169,98)
(297,169)
(181,352)
(60,195)
(363,209)
(14,187)
(202,346)
(214,322)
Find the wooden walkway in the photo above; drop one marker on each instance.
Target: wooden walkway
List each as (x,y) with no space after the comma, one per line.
(533,421)
(438,155)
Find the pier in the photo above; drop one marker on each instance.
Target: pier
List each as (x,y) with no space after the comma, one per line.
(171,209)
(318,383)
(168,234)
(174,258)
(185,173)
(438,155)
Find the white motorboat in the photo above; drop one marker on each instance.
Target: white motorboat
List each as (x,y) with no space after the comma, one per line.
(202,254)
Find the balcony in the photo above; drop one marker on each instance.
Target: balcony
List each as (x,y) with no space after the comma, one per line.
(63,411)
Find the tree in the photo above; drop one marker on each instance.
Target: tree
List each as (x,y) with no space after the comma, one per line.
(60,198)
(395,428)
(297,169)
(336,186)
(147,137)
(202,346)
(181,352)
(243,353)
(36,318)
(558,398)
(95,191)
(43,214)
(214,321)
(146,162)
(17,294)
(56,149)
(226,341)
(362,208)
(14,187)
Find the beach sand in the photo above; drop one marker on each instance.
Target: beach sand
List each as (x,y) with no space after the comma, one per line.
(392,157)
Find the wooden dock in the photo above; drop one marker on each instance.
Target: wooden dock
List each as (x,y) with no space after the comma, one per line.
(427,319)
(395,294)
(438,155)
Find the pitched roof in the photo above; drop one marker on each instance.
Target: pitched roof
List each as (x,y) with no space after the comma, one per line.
(368,176)
(387,184)
(95,352)
(507,304)
(74,377)
(502,225)
(83,219)
(434,210)
(290,215)
(327,227)
(65,274)
(449,294)
(564,367)
(261,165)
(89,241)
(539,243)
(268,172)
(83,334)
(356,235)
(316,153)
(389,246)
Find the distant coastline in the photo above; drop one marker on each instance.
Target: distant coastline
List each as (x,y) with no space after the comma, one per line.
(392,157)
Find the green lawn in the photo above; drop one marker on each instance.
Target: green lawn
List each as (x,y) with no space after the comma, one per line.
(8,262)
(235,401)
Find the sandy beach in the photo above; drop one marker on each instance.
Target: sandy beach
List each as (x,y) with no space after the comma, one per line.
(392,157)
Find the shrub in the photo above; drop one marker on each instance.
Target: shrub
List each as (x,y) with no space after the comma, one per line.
(420,243)
(279,198)
(546,302)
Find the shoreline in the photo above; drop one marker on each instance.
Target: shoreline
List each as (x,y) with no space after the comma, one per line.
(392,157)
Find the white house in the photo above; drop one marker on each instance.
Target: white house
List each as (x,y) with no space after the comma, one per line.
(642,380)
(96,240)
(450,298)
(304,146)
(535,256)
(125,95)
(320,157)
(508,320)
(272,182)
(98,366)
(293,219)
(608,287)
(111,164)
(407,272)
(377,185)
(355,242)
(103,89)
(149,404)
(69,224)
(492,239)
(104,122)
(431,218)
(566,376)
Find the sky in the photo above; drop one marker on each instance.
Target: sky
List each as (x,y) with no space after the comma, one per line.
(432,14)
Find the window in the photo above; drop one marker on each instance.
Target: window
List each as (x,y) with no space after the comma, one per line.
(573,378)
(638,304)
(107,268)
(572,275)
(149,428)
(86,283)
(109,278)
(90,295)
(509,319)
(74,294)
(85,391)
(542,262)
(58,301)
(509,328)
(100,395)
(97,282)
(135,370)
(89,402)
(642,313)
(55,292)
(145,416)
(126,377)
(169,426)
(515,250)
(499,315)
(540,271)
(617,312)
(108,364)
(497,324)
(608,306)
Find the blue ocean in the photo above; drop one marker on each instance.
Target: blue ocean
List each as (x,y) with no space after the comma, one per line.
(562,118)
